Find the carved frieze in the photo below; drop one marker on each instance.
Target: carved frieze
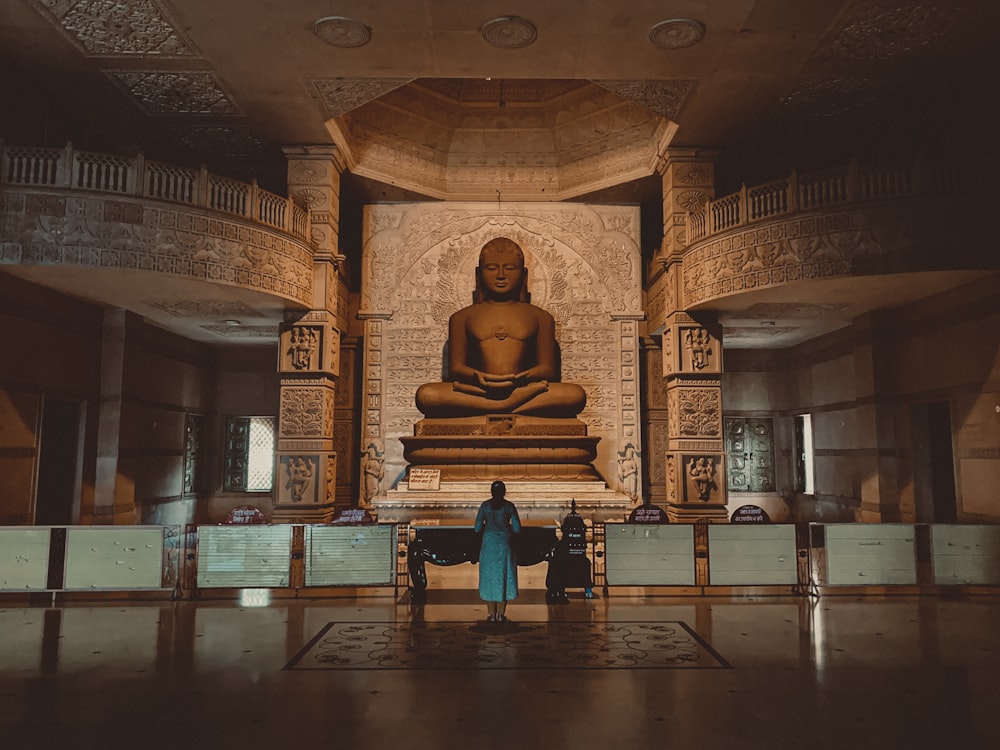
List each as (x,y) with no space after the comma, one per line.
(817,246)
(182,242)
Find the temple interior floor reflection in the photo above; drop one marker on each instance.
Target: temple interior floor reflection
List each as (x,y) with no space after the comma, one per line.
(828,672)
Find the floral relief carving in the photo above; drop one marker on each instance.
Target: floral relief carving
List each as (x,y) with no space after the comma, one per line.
(302,412)
(169,93)
(699,412)
(875,32)
(693,174)
(310,198)
(119,28)
(664,97)
(340,96)
(690,200)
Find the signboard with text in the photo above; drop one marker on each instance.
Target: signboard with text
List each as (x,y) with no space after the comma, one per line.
(647,514)
(750,514)
(424,479)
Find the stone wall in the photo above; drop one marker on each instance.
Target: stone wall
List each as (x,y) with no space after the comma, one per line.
(865,388)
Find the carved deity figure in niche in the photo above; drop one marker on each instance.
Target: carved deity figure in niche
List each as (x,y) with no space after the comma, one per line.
(303,344)
(374,471)
(300,473)
(699,346)
(502,356)
(628,472)
(702,471)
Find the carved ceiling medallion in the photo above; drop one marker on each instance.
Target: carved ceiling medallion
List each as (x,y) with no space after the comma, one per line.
(676,33)
(338,31)
(509,32)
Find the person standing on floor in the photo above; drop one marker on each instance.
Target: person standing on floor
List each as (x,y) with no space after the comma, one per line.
(498,521)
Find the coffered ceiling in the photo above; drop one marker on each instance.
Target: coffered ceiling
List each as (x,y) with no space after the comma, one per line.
(569,99)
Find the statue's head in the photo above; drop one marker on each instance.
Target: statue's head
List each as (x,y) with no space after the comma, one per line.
(501,274)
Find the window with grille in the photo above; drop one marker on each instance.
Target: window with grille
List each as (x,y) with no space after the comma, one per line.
(750,454)
(249,460)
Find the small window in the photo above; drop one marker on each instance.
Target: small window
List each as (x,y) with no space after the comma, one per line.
(249,460)
(804,476)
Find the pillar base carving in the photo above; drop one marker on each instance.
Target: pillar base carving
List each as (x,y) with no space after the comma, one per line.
(697,513)
(303,514)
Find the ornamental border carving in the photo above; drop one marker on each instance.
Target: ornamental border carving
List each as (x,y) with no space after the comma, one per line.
(811,246)
(50,228)
(577,227)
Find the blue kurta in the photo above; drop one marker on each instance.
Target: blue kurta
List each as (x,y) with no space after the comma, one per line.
(497,566)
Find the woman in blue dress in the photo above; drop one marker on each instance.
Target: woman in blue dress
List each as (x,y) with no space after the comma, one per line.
(498,521)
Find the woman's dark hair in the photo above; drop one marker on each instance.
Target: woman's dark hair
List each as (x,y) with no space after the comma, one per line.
(497,492)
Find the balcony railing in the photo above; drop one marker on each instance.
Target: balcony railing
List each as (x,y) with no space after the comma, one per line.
(827,188)
(83,170)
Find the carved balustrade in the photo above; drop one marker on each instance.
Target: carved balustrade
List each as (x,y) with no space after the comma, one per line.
(71,169)
(826,188)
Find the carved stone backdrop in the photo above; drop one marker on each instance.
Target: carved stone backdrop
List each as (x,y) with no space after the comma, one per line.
(418,267)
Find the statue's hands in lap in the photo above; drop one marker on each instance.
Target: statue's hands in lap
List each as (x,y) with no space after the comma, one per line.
(500,386)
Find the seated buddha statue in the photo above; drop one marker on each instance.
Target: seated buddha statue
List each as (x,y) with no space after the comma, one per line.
(502,355)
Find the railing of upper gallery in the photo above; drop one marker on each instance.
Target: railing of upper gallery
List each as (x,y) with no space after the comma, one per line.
(68,168)
(838,186)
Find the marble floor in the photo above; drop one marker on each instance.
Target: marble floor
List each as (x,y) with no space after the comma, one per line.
(793,672)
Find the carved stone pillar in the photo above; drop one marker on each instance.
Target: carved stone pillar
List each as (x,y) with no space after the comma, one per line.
(695,470)
(309,352)
(688,183)
(692,353)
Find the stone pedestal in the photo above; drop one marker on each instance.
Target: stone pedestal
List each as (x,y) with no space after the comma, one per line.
(503,446)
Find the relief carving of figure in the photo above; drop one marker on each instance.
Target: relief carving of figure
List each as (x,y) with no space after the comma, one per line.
(303,344)
(374,471)
(628,472)
(300,473)
(502,355)
(702,470)
(699,345)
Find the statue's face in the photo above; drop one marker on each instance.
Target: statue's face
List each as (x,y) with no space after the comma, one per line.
(501,273)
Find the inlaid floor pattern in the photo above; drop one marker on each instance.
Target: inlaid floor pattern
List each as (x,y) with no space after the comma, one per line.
(510,645)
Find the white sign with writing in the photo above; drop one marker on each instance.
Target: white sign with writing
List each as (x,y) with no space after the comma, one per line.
(424,479)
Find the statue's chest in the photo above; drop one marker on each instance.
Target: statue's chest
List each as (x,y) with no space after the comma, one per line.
(503,328)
